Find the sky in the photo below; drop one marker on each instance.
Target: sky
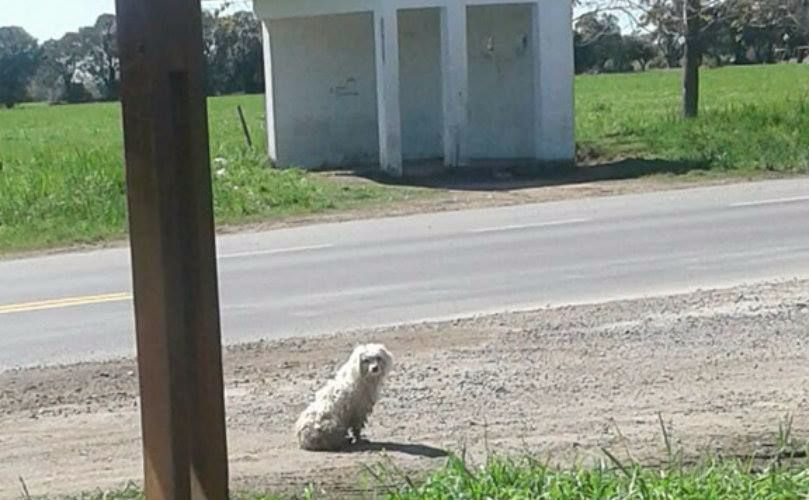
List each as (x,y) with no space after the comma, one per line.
(46,19)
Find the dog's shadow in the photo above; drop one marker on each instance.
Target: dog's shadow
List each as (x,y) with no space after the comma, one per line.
(417,450)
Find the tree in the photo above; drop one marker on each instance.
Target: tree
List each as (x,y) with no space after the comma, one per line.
(763,28)
(233,53)
(19,57)
(61,70)
(599,43)
(639,49)
(248,53)
(102,62)
(741,30)
(797,19)
(681,28)
(82,66)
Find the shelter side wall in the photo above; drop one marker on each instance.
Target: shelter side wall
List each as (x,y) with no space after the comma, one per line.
(325,90)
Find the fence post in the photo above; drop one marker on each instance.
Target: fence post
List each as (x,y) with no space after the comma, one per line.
(245,130)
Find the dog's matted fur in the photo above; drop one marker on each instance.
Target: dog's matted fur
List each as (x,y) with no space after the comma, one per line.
(341,408)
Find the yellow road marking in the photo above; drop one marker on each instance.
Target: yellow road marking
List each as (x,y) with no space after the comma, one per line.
(62,303)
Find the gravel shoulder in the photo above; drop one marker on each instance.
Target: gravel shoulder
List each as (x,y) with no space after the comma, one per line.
(724,367)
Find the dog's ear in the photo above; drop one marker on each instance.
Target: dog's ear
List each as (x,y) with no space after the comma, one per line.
(386,356)
(358,364)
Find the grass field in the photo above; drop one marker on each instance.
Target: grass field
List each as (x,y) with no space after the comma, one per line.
(503,479)
(61,175)
(751,118)
(62,180)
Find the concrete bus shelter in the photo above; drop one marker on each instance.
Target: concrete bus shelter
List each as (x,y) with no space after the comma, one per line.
(387,82)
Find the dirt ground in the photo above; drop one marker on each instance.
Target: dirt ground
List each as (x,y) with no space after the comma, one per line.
(724,368)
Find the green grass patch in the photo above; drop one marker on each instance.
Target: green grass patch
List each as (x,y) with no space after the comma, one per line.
(779,473)
(528,479)
(751,118)
(62,176)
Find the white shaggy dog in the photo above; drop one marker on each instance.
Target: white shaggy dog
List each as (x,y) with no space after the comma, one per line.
(344,404)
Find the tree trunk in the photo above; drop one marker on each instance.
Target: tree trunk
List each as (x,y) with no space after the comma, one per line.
(691,58)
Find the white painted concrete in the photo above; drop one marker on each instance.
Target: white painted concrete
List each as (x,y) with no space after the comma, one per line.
(455,74)
(501,118)
(325,90)
(269,95)
(375,81)
(553,79)
(386,32)
(421,80)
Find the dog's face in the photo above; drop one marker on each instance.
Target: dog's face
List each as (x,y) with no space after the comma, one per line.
(374,361)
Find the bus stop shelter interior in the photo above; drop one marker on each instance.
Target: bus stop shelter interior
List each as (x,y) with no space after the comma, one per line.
(384,82)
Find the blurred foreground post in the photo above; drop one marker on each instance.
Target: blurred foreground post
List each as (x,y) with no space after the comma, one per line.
(173,253)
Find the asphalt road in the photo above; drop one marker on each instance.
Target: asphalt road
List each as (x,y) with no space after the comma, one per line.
(333,277)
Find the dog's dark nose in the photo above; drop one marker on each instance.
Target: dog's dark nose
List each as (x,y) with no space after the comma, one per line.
(374,369)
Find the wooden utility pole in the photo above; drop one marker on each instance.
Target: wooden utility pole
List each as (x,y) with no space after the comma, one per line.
(692,57)
(173,252)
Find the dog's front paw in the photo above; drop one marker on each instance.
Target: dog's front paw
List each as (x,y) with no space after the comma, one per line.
(357,437)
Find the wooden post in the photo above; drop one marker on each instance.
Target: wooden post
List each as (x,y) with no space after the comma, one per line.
(173,252)
(245,130)
(692,57)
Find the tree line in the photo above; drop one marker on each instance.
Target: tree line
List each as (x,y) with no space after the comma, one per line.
(83,66)
(728,32)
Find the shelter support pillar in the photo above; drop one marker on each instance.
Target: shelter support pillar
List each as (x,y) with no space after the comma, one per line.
(455,77)
(269,92)
(386,36)
(554,139)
